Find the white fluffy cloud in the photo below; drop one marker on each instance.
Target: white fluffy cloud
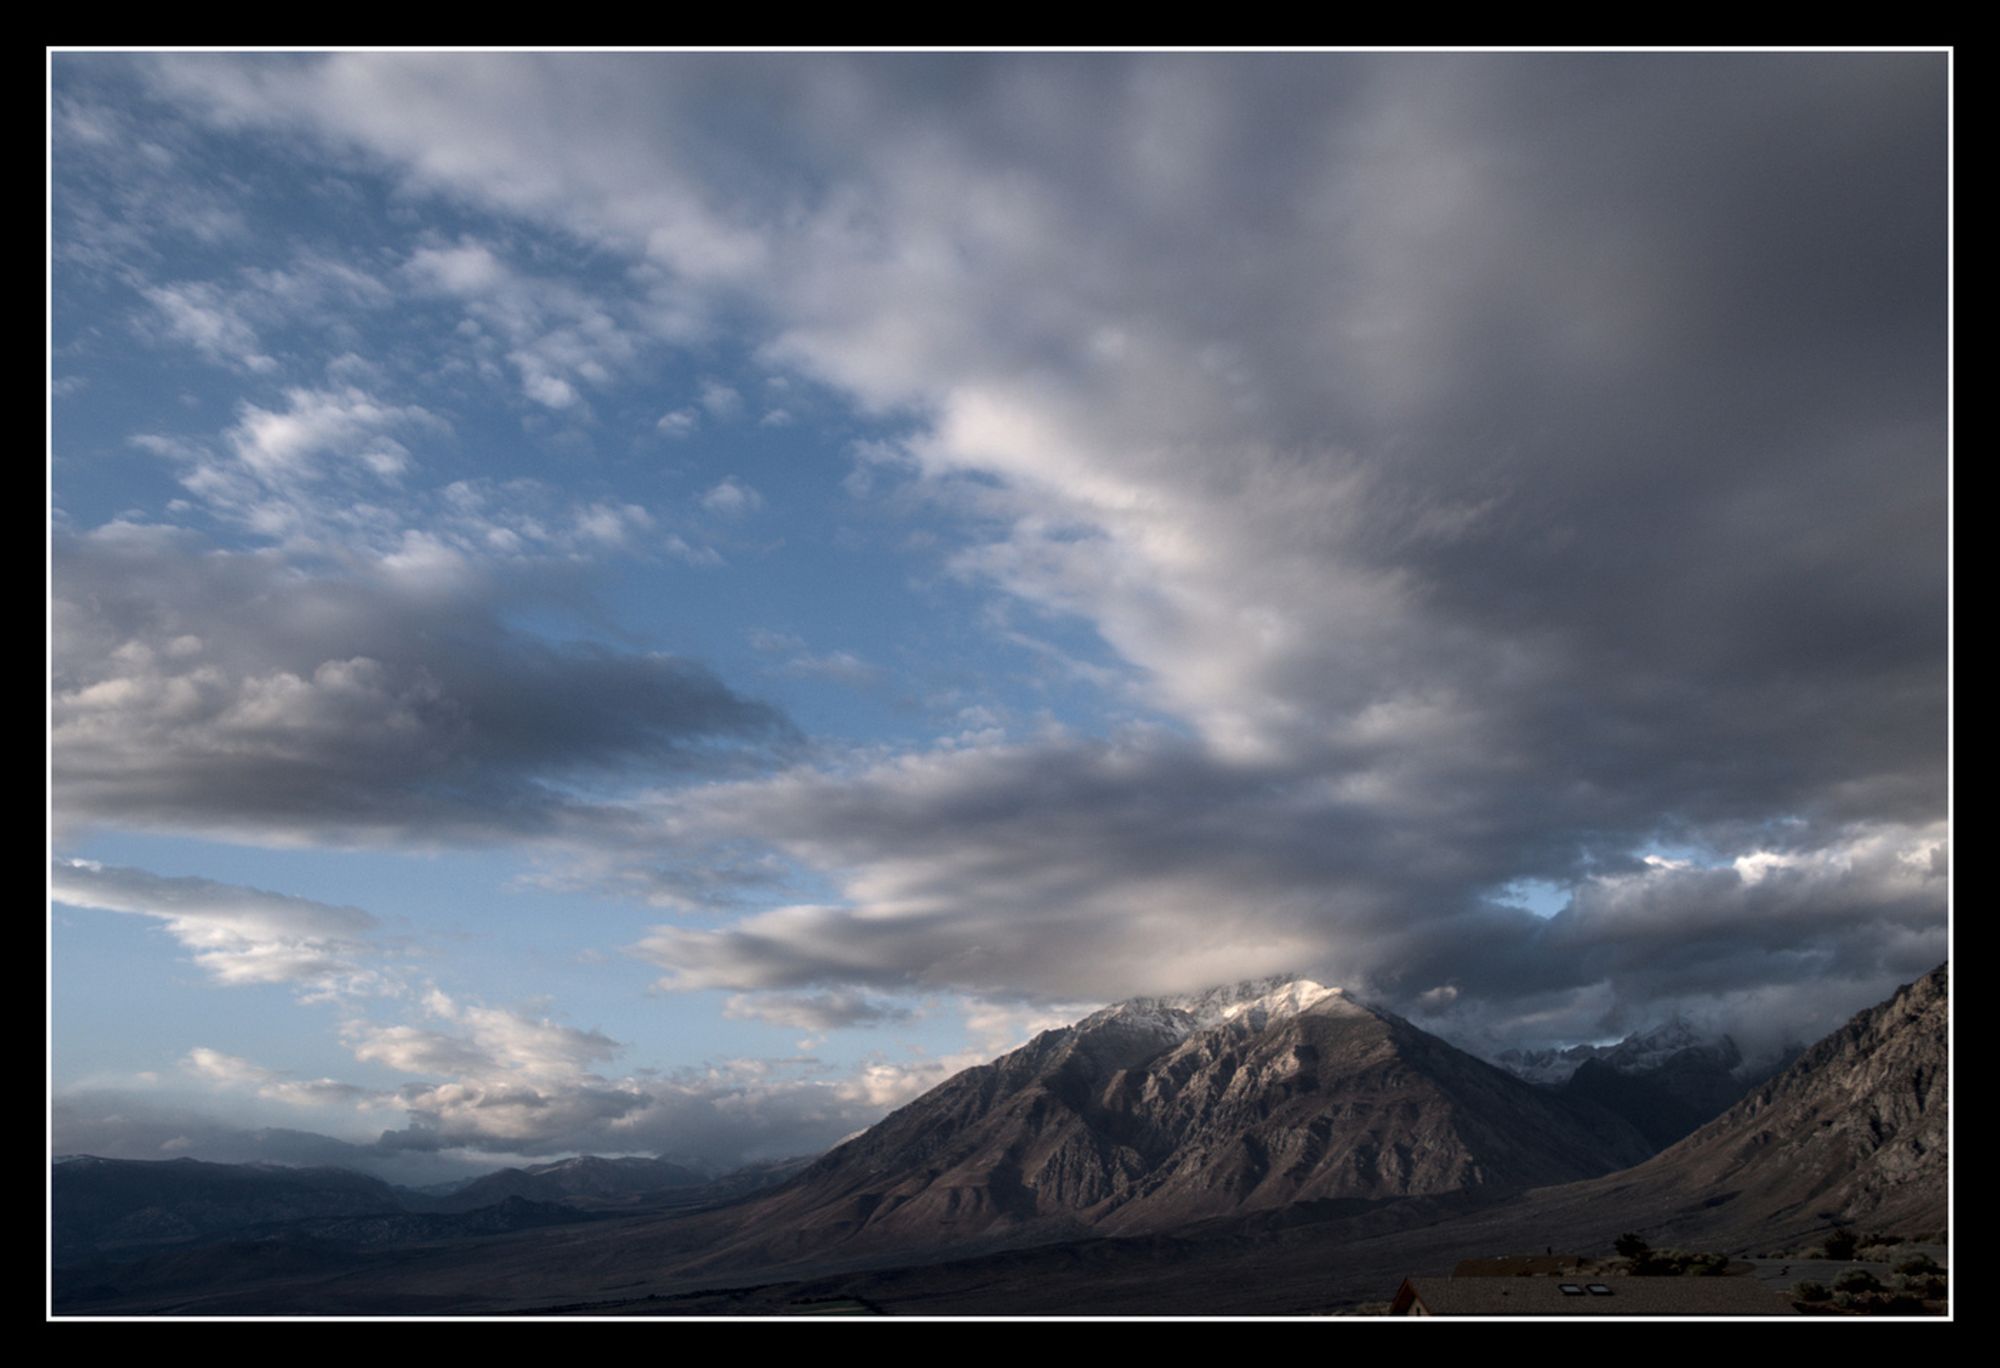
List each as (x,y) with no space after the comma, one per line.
(231,1071)
(559,340)
(238,935)
(732,498)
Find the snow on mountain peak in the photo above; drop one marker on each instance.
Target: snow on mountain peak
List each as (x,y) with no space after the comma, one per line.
(1255,1002)
(1639,1052)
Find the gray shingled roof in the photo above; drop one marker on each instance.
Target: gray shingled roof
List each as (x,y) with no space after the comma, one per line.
(1629,1297)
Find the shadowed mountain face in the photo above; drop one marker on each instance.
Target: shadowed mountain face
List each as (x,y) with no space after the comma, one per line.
(1160,1112)
(1668,1099)
(112,1205)
(1856,1131)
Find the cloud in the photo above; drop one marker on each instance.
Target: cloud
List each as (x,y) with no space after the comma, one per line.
(198,315)
(1077,870)
(843,667)
(312,471)
(345,425)
(221,319)
(129,184)
(117,1124)
(499,1082)
(1484,467)
(812,1011)
(229,1071)
(559,338)
(236,694)
(720,400)
(732,498)
(238,935)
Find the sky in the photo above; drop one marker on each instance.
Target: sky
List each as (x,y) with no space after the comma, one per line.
(663,603)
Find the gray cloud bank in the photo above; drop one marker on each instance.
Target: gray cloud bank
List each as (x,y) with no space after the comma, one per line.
(239,694)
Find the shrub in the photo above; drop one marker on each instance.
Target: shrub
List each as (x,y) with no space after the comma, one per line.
(1922,1263)
(1857,1280)
(1630,1246)
(1841,1244)
(1810,1291)
(1923,1285)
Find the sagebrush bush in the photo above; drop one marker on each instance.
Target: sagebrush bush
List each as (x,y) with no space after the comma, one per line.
(1923,1285)
(1857,1280)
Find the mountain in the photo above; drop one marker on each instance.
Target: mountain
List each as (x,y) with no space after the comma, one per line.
(1161,1112)
(1664,1100)
(1640,1052)
(1241,1152)
(585,1178)
(1664,1082)
(1856,1131)
(105,1206)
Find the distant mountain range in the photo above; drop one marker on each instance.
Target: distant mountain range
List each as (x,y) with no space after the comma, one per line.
(1640,1052)
(108,1209)
(587,1177)
(1231,1150)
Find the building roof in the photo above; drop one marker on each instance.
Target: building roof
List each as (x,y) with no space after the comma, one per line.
(1532,1296)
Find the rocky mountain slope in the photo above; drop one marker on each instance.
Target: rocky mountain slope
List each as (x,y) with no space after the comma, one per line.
(1156,1113)
(1855,1132)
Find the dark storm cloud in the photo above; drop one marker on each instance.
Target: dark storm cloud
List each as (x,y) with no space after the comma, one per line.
(237,694)
(1101,871)
(1503,464)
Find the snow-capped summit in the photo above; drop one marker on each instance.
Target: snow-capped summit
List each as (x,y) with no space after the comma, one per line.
(1253,1002)
(1256,1001)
